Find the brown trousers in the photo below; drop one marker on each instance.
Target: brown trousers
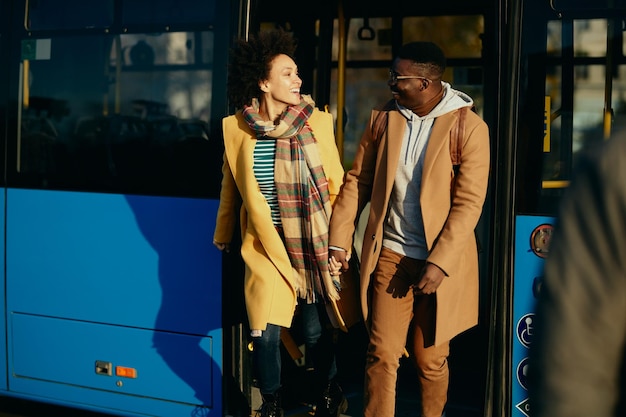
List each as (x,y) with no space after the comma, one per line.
(395,314)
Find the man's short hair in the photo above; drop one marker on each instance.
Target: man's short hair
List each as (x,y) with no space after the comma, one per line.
(424,53)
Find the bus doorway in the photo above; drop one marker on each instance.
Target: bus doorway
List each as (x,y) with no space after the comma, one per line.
(344,55)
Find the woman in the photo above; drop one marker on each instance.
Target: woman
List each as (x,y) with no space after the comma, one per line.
(281,162)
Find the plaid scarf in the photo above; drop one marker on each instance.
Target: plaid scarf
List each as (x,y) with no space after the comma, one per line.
(303,197)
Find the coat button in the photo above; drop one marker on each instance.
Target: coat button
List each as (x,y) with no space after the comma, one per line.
(373,237)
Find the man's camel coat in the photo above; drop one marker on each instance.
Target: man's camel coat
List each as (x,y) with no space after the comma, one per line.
(270,292)
(449,216)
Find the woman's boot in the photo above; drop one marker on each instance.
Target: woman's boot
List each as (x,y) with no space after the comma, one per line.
(271,406)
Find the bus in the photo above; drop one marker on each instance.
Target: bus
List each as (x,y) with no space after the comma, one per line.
(114,299)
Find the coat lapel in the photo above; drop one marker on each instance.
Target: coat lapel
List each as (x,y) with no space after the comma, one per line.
(438,143)
(395,130)
(240,146)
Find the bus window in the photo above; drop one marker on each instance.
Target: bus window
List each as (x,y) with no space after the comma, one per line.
(368,61)
(366,39)
(118,113)
(573,82)
(458,36)
(68,14)
(582,104)
(167,12)
(367,88)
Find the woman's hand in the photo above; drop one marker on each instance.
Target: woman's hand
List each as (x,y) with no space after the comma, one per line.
(338,258)
(222,246)
(334,266)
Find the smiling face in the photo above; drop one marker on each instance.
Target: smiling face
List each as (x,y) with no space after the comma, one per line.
(282,87)
(410,92)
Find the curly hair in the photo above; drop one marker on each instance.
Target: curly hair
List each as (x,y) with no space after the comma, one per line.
(250,63)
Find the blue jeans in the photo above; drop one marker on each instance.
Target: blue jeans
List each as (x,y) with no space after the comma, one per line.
(266,358)
(317,332)
(320,353)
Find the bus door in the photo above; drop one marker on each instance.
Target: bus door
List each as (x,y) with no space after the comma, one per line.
(370,45)
(570,93)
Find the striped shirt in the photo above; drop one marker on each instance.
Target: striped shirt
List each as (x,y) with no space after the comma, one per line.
(264,152)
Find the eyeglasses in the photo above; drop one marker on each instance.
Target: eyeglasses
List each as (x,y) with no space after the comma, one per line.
(394,77)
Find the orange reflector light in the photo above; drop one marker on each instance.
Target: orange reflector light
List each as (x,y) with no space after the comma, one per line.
(125,372)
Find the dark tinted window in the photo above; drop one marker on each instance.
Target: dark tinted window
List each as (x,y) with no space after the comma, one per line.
(121,113)
(69,14)
(168,12)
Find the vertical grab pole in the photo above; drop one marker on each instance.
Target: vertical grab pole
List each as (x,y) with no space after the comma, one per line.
(341,79)
(608,77)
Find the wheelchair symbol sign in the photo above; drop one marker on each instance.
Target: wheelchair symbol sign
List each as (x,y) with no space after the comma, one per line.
(525,329)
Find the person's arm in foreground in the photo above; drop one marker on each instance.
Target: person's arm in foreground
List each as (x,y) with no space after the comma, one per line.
(577,352)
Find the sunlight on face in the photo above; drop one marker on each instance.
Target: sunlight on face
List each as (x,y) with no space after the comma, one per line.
(282,88)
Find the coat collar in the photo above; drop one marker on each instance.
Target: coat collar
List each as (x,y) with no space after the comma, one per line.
(437,143)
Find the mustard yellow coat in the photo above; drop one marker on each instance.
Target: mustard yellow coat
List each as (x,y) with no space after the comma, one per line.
(270,294)
(449,217)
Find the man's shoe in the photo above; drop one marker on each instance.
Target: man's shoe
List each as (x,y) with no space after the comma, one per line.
(333,403)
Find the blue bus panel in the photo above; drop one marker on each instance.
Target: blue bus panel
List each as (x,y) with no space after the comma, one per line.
(532,244)
(124,292)
(3,341)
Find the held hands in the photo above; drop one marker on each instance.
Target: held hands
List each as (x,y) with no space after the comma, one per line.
(431,278)
(338,261)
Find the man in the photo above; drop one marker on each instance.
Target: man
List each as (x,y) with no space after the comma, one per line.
(419,260)
(578,355)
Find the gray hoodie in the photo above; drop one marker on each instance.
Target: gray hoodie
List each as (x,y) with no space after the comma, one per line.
(404,229)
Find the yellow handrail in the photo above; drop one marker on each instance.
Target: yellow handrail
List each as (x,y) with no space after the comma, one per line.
(341,79)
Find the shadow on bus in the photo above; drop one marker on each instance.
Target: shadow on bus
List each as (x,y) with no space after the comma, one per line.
(188,323)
